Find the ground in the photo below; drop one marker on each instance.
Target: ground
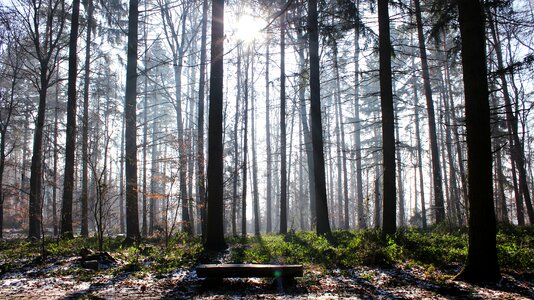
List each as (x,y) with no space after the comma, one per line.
(412,264)
(64,278)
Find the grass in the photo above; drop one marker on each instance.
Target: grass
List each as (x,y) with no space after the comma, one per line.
(433,249)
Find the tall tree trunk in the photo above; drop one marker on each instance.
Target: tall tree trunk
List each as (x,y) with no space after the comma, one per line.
(256,197)
(85,134)
(283,158)
(122,225)
(268,201)
(132,218)
(436,167)
(70,143)
(154,178)
(322,221)
(245,151)
(56,158)
(343,192)
(236,145)
(358,127)
(215,228)
(482,262)
(400,178)
(144,224)
(389,225)
(305,125)
(456,136)
(35,203)
(419,152)
(201,176)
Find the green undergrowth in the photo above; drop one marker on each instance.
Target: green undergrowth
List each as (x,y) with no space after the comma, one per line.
(438,248)
(148,256)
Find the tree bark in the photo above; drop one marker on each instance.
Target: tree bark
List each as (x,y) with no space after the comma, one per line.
(283,150)
(201,176)
(268,204)
(132,218)
(322,221)
(85,133)
(388,120)
(215,228)
(482,262)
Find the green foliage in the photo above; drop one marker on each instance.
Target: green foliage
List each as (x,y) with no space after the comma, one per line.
(515,248)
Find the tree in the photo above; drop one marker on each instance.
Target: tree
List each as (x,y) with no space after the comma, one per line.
(322,222)
(70,143)
(482,262)
(85,128)
(12,67)
(201,176)
(436,168)
(283,137)
(178,45)
(389,225)
(215,228)
(45,31)
(132,217)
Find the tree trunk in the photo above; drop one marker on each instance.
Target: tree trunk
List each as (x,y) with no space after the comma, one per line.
(268,201)
(256,197)
(215,228)
(56,158)
(132,218)
(400,179)
(283,158)
(358,128)
(236,145)
(388,122)
(35,203)
(322,222)
(245,152)
(436,168)
(70,143)
(482,262)
(201,176)
(305,126)
(85,135)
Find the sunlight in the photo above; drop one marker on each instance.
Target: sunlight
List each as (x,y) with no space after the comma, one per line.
(249,28)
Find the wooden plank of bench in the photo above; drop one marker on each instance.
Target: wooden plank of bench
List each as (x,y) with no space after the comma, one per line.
(249,270)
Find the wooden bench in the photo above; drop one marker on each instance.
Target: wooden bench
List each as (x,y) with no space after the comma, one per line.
(249,270)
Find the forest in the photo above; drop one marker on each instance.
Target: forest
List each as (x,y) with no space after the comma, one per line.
(385,146)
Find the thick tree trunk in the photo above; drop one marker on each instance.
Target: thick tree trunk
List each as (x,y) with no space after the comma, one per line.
(482,262)
(322,222)
(70,143)
(389,225)
(132,217)
(215,228)
(35,203)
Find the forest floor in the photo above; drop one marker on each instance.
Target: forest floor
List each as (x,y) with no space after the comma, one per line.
(147,272)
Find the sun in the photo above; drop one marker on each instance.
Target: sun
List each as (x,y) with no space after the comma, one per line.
(250,28)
